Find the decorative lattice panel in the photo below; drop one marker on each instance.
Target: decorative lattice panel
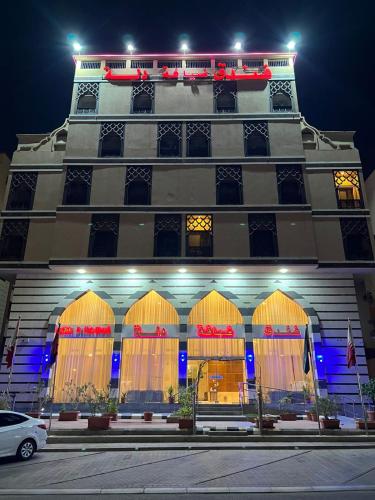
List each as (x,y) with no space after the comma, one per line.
(19,179)
(17,227)
(105,223)
(88,88)
(275,63)
(144,88)
(198,127)
(346,177)
(173,127)
(280,86)
(228,87)
(170,63)
(116,64)
(289,172)
(168,223)
(355,226)
(202,63)
(112,127)
(199,223)
(252,127)
(141,64)
(229,172)
(90,64)
(253,63)
(262,222)
(83,174)
(136,173)
(230,63)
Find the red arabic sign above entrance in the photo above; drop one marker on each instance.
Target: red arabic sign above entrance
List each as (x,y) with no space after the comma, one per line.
(158,333)
(290,331)
(85,331)
(211,331)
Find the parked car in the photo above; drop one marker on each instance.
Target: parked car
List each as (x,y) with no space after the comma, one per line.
(21,435)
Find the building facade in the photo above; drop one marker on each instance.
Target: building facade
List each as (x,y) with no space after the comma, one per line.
(184,211)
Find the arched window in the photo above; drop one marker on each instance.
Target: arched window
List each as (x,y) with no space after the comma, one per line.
(86,103)
(84,360)
(138,185)
(228,185)
(169,139)
(198,136)
(199,236)
(263,235)
(348,189)
(104,235)
(77,186)
(22,191)
(143,97)
(13,239)
(281,101)
(356,239)
(167,235)
(111,145)
(225,94)
(256,138)
(290,185)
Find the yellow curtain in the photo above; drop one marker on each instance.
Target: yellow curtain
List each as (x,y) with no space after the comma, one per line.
(89,309)
(279,364)
(215,309)
(347,179)
(82,360)
(279,309)
(149,365)
(216,347)
(152,309)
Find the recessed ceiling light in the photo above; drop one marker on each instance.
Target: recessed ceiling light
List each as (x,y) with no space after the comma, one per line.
(132,271)
(81,271)
(141,224)
(182,270)
(283,270)
(232,270)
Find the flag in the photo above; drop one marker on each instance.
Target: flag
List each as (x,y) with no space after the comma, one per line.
(350,349)
(54,347)
(306,352)
(11,349)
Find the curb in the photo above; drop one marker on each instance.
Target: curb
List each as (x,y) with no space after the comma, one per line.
(174,491)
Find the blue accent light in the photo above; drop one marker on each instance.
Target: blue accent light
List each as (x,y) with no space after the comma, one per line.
(182,365)
(115,365)
(250,367)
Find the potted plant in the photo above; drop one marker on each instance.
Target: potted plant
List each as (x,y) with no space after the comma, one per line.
(171,396)
(185,411)
(4,401)
(306,393)
(267,423)
(73,396)
(111,409)
(40,399)
(285,413)
(312,415)
(147,416)
(328,408)
(96,400)
(368,390)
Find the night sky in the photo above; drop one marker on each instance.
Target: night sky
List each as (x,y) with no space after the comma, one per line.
(333,67)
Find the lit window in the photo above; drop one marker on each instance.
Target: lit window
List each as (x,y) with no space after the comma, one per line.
(199,235)
(348,190)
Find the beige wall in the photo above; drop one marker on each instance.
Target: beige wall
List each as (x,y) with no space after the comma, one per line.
(83,139)
(322,189)
(115,98)
(183,97)
(183,185)
(253,96)
(140,140)
(259,185)
(285,139)
(328,239)
(227,140)
(135,240)
(40,240)
(231,239)
(49,190)
(108,185)
(72,234)
(295,235)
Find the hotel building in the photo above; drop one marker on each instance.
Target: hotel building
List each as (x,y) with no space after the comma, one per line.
(184,211)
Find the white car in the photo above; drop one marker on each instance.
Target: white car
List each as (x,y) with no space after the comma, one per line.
(21,435)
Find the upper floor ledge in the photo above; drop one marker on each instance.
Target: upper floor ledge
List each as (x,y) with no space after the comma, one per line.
(212,117)
(314,139)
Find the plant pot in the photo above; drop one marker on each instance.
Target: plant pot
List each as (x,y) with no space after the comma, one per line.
(34,414)
(171,400)
(370,415)
(68,416)
(312,416)
(111,415)
(173,420)
(288,417)
(360,424)
(330,423)
(147,416)
(267,423)
(185,424)
(98,423)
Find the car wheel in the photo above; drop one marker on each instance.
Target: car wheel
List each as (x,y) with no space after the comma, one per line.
(26,449)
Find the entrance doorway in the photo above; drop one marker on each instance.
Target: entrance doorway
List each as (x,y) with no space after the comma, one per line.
(220,380)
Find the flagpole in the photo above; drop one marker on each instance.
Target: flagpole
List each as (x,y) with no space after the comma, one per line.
(13,356)
(312,363)
(56,337)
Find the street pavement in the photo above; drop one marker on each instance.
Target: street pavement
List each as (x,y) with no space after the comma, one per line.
(71,472)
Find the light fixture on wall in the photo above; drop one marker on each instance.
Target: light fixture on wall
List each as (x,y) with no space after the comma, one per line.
(232,270)
(81,271)
(182,270)
(283,270)
(132,270)
(291,45)
(77,47)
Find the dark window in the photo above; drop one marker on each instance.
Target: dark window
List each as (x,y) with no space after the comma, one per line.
(356,238)
(87,97)
(77,186)
(199,236)
(348,189)
(198,136)
(7,419)
(13,239)
(103,235)
(167,237)
(169,139)
(281,95)
(229,185)
(256,138)
(143,97)
(290,185)
(112,139)
(263,235)
(22,191)
(225,97)
(138,184)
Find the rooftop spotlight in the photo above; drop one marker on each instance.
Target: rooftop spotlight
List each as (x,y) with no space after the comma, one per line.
(182,270)
(77,47)
(291,45)
(283,270)
(130,48)
(132,271)
(81,271)
(184,47)
(238,46)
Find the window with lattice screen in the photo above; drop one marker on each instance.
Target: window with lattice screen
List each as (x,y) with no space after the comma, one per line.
(13,239)
(138,184)
(281,95)
(198,136)
(143,97)
(111,141)
(22,191)
(256,138)
(167,235)
(263,235)
(356,239)
(229,185)
(169,139)
(87,98)
(77,187)
(348,189)
(104,235)
(199,235)
(225,97)
(290,185)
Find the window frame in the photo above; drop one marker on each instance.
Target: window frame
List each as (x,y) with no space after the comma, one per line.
(88,190)
(360,201)
(272,221)
(209,232)
(239,182)
(158,219)
(96,218)
(32,185)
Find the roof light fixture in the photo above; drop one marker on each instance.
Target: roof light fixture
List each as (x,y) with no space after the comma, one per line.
(291,45)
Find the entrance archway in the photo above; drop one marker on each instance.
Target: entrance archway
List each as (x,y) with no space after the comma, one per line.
(149,361)
(279,327)
(218,324)
(84,355)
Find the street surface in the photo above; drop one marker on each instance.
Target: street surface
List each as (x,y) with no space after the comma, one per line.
(193,468)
